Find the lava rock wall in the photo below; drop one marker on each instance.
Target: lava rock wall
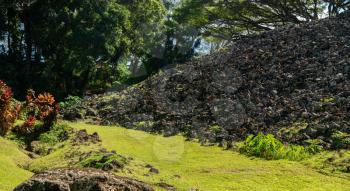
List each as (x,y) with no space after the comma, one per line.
(263,83)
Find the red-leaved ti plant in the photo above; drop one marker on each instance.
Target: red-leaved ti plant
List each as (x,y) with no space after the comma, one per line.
(30,121)
(8,112)
(30,103)
(41,107)
(28,126)
(48,110)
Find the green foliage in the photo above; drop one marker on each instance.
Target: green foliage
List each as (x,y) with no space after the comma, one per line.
(66,47)
(336,7)
(69,47)
(264,146)
(70,101)
(293,130)
(103,161)
(47,141)
(203,168)
(24,139)
(340,140)
(206,168)
(268,147)
(215,129)
(294,152)
(335,163)
(124,74)
(140,124)
(58,133)
(225,20)
(328,100)
(173,42)
(314,148)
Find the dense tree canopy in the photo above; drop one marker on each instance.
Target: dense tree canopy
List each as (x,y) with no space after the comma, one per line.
(226,19)
(69,47)
(64,43)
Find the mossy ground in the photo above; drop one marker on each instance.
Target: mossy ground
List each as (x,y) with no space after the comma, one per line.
(185,165)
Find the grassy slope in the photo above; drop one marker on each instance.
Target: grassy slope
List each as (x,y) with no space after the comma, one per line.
(187,165)
(59,159)
(11,158)
(183,164)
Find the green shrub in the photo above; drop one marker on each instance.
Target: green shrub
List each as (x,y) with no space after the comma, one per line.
(70,101)
(215,129)
(58,133)
(314,149)
(340,140)
(43,141)
(104,161)
(48,140)
(294,152)
(24,139)
(268,147)
(264,146)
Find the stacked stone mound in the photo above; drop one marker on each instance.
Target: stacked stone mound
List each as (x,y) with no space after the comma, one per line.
(81,180)
(262,83)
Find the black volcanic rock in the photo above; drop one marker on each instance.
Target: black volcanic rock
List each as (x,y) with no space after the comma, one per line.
(261,83)
(80,180)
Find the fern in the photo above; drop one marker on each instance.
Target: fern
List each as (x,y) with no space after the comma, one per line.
(268,147)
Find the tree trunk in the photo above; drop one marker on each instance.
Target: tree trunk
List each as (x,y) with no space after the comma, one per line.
(27,39)
(13,36)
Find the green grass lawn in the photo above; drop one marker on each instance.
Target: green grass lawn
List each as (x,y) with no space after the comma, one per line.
(11,161)
(187,165)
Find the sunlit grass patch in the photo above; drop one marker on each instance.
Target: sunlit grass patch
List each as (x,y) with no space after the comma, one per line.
(183,164)
(207,168)
(12,161)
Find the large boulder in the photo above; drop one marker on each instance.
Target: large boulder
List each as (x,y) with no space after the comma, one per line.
(81,180)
